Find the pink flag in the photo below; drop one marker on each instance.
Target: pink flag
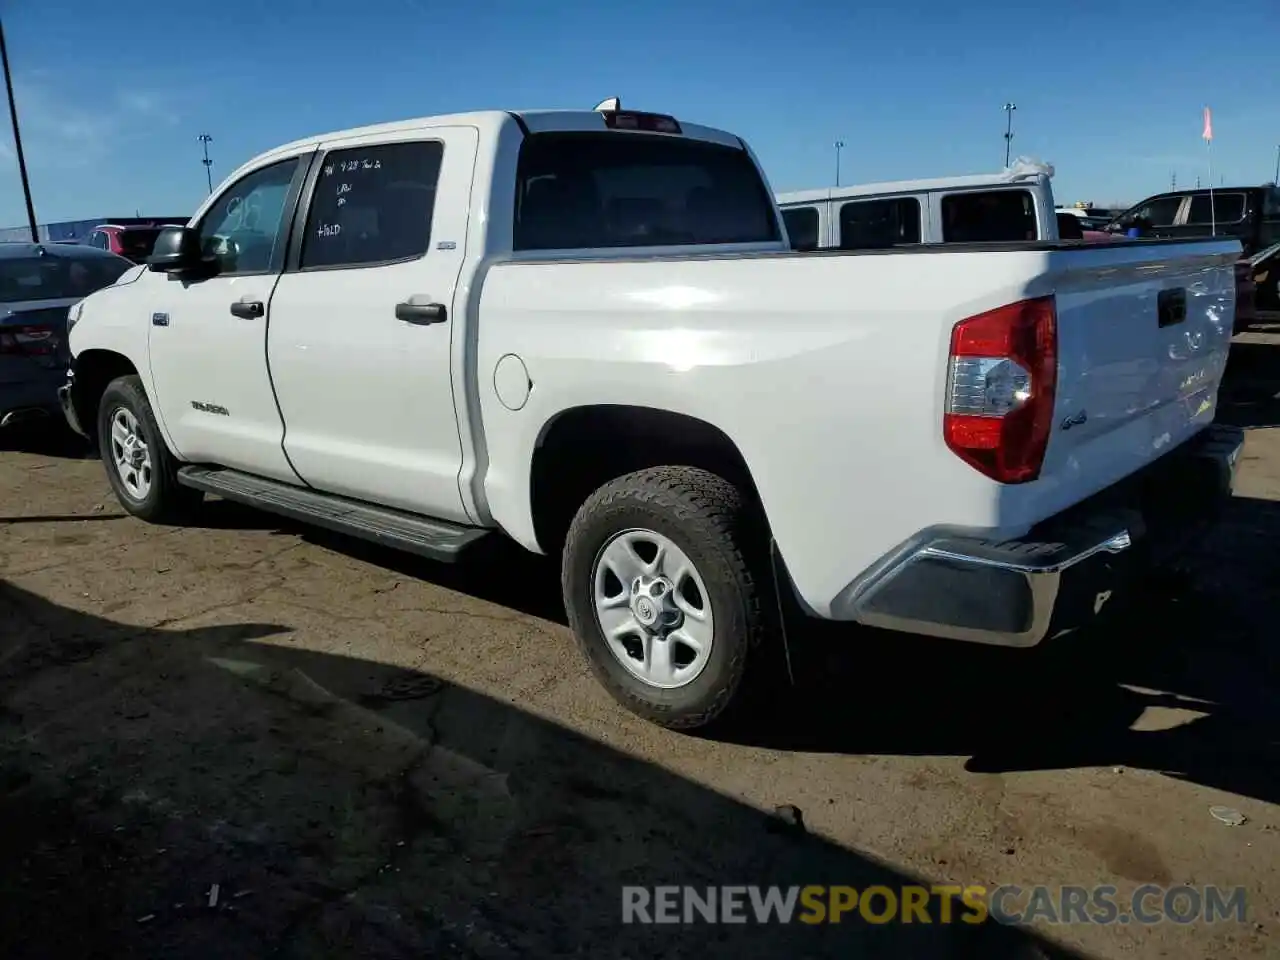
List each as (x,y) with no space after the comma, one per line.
(1208,125)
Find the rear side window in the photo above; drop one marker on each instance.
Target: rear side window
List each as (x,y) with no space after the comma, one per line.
(992,216)
(373,205)
(879,223)
(802,227)
(1226,208)
(588,190)
(57,278)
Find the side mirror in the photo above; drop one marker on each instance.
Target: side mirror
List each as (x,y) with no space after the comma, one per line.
(177,250)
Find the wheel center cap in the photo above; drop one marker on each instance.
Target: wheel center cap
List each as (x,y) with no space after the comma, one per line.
(653,602)
(645,611)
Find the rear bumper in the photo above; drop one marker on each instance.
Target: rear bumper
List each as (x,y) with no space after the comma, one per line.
(1017,593)
(32,394)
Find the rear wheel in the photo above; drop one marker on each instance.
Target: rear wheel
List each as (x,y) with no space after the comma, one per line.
(140,468)
(662,585)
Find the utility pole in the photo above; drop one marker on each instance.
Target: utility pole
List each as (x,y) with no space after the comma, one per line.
(839,147)
(1008,130)
(205,140)
(1173,180)
(1197,183)
(1276,181)
(17,142)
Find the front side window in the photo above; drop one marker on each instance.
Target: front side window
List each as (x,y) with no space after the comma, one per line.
(577,191)
(246,225)
(373,205)
(802,227)
(1159,212)
(1224,208)
(989,216)
(868,224)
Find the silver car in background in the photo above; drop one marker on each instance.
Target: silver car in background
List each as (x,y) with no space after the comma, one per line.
(38,284)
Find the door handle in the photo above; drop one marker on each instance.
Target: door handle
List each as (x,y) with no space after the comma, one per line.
(247,309)
(421,313)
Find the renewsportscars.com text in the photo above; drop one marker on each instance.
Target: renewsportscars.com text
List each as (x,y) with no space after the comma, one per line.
(938,903)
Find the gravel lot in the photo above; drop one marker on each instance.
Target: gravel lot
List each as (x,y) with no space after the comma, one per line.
(371,755)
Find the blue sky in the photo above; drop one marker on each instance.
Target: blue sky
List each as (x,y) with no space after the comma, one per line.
(113,95)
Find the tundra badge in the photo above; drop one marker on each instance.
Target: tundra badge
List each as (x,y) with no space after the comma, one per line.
(210,408)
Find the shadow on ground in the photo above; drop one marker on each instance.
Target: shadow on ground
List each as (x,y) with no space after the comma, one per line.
(345,809)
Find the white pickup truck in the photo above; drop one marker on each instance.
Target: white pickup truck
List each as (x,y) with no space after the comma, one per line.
(585,331)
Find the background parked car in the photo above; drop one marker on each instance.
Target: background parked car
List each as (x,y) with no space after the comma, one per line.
(38,284)
(133,242)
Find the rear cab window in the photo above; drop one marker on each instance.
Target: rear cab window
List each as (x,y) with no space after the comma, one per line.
(989,216)
(578,191)
(869,224)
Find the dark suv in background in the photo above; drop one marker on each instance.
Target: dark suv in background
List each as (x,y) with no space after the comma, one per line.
(1251,214)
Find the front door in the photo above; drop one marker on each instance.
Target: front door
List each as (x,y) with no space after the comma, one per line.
(362,325)
(208,337)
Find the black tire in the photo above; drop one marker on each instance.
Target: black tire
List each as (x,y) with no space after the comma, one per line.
(166,502)
(722,534)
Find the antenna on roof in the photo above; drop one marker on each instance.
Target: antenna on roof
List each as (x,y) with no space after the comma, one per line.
(612,105)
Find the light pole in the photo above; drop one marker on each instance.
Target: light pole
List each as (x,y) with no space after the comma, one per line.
(17,142)
(1008,130)
(205,140)
(839,147)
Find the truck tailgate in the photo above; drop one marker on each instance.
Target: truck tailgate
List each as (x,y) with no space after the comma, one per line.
(1143,335)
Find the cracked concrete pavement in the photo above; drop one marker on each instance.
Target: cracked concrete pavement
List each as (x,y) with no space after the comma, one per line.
(371,755)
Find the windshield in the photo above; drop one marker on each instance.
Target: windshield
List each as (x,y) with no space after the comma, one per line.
(57,278)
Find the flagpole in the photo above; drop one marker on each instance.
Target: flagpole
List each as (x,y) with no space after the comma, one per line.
(1213,213)
(1208,148)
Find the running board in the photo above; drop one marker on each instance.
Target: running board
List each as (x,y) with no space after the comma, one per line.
(436,539)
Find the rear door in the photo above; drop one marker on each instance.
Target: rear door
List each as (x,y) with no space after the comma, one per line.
(363,319)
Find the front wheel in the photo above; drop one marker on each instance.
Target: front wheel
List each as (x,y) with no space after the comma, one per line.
(140,468)
(662,586)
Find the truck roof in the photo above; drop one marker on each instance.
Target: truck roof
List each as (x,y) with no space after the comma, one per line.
(971,181)
(492,121)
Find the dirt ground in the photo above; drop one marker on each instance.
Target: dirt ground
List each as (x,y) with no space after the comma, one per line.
(373,756)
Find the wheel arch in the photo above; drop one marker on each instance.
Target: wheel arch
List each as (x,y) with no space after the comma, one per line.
(581,448)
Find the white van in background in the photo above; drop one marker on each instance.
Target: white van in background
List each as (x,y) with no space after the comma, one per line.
(1015,205)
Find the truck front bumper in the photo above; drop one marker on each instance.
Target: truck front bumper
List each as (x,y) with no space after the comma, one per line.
(1017,593)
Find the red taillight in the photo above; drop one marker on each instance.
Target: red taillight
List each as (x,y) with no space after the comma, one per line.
(30,340)
(1002,376)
